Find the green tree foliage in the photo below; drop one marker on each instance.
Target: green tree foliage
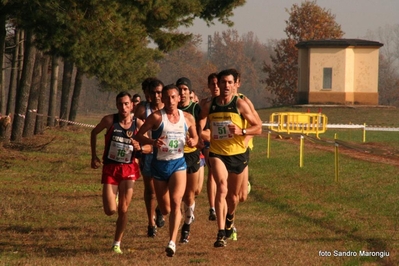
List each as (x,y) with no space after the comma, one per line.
(307,21)
(109,38)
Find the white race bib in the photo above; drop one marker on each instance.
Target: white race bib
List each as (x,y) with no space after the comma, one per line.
(174,145)
(220,130)
(120,152)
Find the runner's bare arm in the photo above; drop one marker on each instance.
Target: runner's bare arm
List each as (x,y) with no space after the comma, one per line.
(140,112)
(152,122)
(205,105)
(255,123)
(105,123)
(144,148)
(192,141)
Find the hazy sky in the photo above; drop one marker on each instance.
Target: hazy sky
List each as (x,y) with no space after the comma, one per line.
(266,18)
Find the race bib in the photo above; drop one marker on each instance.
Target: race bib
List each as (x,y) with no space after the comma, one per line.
(120,152)
(174,143)
(220,130)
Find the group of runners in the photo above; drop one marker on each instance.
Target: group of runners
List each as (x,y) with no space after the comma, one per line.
(169,137)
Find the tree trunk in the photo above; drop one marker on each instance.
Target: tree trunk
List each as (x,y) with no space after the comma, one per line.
(23,89)
(2,80)
(66,89)
(30,118)
(76,95)
(43,96)
(12,89)
(21,55)
(2,45)
(55,69)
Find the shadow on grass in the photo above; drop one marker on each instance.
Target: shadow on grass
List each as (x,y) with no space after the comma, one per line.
(373,244)
(45,245)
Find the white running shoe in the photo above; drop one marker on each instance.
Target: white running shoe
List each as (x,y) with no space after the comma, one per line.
(170,249)
(249,187)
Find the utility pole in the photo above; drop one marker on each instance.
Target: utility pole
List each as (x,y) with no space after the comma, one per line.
(209,46)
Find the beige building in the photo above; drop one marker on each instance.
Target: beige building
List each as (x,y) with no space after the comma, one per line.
(338,71)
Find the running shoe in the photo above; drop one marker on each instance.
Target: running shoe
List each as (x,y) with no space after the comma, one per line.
(212,215)
(249,187)
(185,233)
(117,249)
(151,231)
(170,249)
(233,235)
(220,240)
(159,220)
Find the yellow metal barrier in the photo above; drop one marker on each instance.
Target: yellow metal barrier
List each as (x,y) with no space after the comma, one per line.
(303,123)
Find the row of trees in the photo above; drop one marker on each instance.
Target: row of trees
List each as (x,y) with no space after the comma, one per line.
(307,21)
(108,42)
(107,39)
(388,82)
(269,71)
(229,50)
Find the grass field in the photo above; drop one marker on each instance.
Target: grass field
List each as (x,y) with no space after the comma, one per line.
(51,209)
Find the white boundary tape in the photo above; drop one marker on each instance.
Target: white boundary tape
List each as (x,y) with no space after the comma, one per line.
(58,119)
(75,123)
(265,124)
(343,126)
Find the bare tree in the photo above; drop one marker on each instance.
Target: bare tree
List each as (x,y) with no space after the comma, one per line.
(307,21)
(246,54)
(388,79)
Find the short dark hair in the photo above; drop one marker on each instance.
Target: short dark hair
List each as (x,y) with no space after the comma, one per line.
(136,96)
(228,72)
(212,76)
(170,87)
(154,83)
(145,83)
(238,73)
(123,94)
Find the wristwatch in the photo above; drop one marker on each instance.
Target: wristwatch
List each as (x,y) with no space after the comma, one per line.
(244,132)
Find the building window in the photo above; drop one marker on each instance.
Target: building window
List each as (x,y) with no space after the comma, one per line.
(327,78)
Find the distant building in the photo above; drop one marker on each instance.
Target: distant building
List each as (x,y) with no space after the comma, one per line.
(338,71)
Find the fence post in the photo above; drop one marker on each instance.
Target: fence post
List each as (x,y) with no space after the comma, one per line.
(301,152)
(336,159)
(364,132)
(268,144)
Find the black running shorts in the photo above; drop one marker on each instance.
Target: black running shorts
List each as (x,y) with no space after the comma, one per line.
(234,163)
(192,161)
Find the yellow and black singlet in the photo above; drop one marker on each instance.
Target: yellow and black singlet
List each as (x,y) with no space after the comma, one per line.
(222,141)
